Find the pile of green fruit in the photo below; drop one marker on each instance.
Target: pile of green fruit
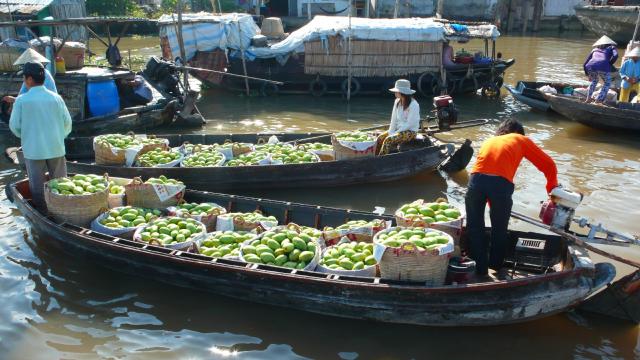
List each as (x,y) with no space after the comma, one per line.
(432,212)
(348,256)
(315,146)
(274,148)
(115,188)
(163,180)
(422,238)
(355,224)
(252,218)
(293,156)
(129,216)
(78,185)
(203,209)
(224,244)
(195,148)
(171,230)
(157,157)
(355,136)
(281,247)
(251,158)
(203,158)
(117,140)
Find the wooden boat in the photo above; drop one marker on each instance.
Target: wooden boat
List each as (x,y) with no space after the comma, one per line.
(532,294)
(597,116)
(421,157)
(527,93)
(170,105)
(617,22)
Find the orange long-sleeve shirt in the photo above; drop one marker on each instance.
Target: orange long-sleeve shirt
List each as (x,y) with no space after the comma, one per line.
(501,155)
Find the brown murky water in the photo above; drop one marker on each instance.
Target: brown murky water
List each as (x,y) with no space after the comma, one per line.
(56,307)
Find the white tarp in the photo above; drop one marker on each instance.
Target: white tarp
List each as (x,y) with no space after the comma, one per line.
(207,35)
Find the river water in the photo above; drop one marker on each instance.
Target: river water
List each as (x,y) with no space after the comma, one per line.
(55,307)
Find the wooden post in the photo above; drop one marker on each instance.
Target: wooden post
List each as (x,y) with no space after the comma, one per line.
(510,16)
(367,4)
(395,9)
(537,14)
(525,16)
(349,56)
(129,55)
(244,63)
(183,53)
(258,3)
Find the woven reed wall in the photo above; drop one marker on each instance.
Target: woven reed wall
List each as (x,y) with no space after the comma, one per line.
(370,58)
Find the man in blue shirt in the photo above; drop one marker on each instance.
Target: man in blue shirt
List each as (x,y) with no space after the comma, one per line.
(27,56)
(630,73)
(41,120)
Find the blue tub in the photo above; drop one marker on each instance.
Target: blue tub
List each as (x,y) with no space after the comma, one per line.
(102,97)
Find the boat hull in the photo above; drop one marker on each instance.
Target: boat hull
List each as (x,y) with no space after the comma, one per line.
(540,105)
(373,299)
(617,22)
(596,116)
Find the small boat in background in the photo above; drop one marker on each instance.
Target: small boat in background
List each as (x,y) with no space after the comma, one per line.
(617,22)
(527,92)
(622,116)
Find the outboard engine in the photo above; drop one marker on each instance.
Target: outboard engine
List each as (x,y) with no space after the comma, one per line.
(446,111)
(558,211)
(164,74)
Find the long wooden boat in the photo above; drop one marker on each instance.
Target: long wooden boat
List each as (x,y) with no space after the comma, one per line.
(528,296)
(597,116)
(422,158)
(617,22)
(527,93)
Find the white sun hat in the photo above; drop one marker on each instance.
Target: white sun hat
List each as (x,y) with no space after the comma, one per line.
(604,40)
(403,86)
(633,53)
(30,55)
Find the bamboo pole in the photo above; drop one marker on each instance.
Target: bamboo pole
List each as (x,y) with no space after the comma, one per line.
(349,56)
(244,62)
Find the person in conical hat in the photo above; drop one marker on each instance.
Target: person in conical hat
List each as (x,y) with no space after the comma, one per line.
(598,66)
(630,74)
(32,56)
(405,119)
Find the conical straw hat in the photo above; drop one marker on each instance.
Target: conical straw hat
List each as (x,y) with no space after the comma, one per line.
(30,55)
(604,40)
(633,53)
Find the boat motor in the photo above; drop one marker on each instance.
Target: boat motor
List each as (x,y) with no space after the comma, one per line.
(559,209)
(446,111)
(164,74)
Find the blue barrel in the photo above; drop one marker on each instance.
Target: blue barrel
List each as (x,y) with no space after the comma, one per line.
(103,98)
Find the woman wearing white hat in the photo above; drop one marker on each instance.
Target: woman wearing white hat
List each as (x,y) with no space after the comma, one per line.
(630,74)
(405,118)
(27,56)
(598,66)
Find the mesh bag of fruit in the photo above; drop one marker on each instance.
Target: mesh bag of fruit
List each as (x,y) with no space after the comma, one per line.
(155,193)
(286,246)
(413,254)
(438,215)
(159,158)
(354,230)
(352,144)
(172,232)
(117,149)
(245,222)
(224,244)
(349,258)
(323,151)
(123,221)
(206,213)
(77,200)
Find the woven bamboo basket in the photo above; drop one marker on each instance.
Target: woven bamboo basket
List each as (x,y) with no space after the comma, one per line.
(153,197)
(209,220)
(78,210)
(453,227)
(106,154)
(408,263)
(343,153)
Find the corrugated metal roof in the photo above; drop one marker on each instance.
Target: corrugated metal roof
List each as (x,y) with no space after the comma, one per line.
(23,6)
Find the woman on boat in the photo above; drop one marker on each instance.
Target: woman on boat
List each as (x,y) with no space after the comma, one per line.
(491,181)
(405,119)
(598,66)
(27,56)
(630,74)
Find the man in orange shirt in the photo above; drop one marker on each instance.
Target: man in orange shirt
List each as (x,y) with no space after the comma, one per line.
(491,181)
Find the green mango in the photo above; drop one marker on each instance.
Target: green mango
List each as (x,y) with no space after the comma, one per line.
(306,256)
(267,257)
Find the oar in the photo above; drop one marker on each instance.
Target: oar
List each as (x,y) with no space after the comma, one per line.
(377,127)
(228,74)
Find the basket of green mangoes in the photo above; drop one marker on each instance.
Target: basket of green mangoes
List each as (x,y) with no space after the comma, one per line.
(110,149)
(354,230)
(350,258)
(207,158)
(413,254)
(324,151)
(246,221)
(123,221)
(206,213)
(172,232)
(353,144)
(159,158)
(155,193)
(438,215)
(285,246)
(77,200)
(224,244)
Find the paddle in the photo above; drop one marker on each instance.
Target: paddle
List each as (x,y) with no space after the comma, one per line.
(327,135)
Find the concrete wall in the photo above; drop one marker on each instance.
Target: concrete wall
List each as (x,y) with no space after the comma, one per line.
(554,8)
(407,8)
(468,9)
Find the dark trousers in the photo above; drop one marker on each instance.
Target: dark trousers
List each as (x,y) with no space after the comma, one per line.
(497,190)
(36,171)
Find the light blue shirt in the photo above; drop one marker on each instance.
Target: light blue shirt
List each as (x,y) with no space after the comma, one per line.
(41,120)
(629,69)
(49,83)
